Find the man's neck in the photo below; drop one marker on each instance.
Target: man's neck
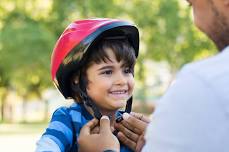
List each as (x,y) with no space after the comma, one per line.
(224,48)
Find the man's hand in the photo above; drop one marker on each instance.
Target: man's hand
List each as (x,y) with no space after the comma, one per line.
(132,129)
(100,142)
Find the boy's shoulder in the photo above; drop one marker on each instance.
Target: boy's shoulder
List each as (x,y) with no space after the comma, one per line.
(75,112)
(66,110)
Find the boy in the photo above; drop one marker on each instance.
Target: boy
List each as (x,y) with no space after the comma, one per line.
(93,63)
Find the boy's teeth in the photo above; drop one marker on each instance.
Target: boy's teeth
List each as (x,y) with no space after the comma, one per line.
(118,92)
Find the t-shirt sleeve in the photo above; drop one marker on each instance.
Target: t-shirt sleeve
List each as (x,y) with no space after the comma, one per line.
(58,135)
(187,119)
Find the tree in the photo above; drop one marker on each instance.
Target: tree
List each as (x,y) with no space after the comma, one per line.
(168,32)
(26,47)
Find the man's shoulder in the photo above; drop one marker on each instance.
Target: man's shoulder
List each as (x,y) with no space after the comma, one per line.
(212,73)
(209,69)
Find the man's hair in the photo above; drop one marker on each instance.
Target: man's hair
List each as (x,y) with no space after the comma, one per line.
(96,54)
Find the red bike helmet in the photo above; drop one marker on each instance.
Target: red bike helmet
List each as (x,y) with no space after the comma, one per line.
(77,39)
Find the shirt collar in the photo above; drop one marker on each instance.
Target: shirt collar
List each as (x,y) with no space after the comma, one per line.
(226,49)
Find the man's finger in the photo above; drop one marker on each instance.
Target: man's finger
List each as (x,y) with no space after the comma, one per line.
(128,133)
(140,143)
(104,125)
(87,128)
(95,130)
(126,141)
(131,127)
(134,123)
(140,117)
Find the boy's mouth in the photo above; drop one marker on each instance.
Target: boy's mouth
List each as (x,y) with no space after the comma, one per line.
(119,94)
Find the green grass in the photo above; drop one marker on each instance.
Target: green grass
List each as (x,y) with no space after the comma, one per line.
(22,128)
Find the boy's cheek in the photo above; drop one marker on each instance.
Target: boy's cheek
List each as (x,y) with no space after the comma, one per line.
(131,85)
(131,80)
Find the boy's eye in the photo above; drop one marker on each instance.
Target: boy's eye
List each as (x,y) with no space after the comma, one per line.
(107,72)
(127,70)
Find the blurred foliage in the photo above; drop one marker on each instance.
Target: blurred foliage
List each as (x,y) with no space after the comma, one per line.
(29,29)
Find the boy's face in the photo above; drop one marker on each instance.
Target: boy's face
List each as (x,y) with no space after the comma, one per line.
(110,84)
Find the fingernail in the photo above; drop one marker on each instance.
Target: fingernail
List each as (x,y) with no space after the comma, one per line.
(119,134)
(105,117)
(126,116)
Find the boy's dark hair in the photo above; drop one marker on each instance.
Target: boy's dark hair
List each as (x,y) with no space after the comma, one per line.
(122,50)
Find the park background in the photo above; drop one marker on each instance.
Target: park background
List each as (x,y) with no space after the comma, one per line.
(29,29)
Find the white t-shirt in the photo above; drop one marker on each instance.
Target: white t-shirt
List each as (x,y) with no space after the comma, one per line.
(193,115)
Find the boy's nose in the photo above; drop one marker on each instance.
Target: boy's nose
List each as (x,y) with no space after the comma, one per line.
(120,79)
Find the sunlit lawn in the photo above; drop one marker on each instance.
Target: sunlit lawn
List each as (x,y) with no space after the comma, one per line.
(20,137)
(34,128)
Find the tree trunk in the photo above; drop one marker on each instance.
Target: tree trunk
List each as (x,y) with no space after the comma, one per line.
(46,112)
(3,99)
(24,109)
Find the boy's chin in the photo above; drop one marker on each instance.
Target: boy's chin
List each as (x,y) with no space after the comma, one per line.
(120,104)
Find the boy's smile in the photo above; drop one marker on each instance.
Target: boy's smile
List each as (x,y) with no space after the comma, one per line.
(119,94)
(110,83)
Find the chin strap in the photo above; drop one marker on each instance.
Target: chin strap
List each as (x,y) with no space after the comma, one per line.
(88,101)
(129,105)
(127,110)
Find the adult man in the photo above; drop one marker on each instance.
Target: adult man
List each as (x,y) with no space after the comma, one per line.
(193,115)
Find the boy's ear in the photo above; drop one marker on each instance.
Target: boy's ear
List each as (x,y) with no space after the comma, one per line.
(76,80)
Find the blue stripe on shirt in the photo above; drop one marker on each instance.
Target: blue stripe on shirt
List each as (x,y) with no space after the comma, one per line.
(58,135)
(62,118)
(77,127)
(59,126)
(76,116)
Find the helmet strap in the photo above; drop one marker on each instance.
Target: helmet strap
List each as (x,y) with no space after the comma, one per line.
(129,105)
(127,110)
(86,99)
